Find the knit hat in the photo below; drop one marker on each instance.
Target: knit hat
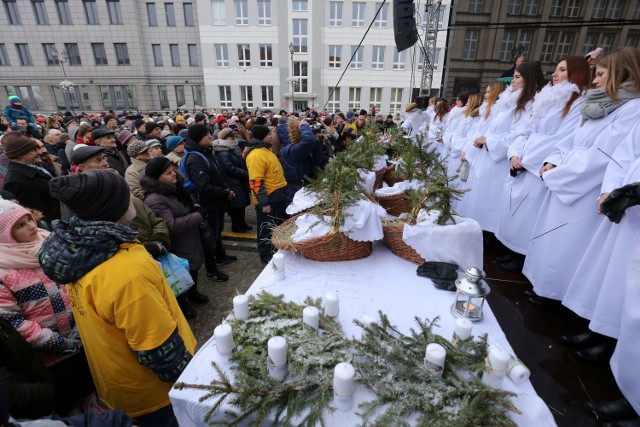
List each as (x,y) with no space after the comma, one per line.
(179,117)
(82,152)
(350,114)
(184,133)
(165,133)
(199,117)
(174,141)
(150,126)
(95,195)
(100,132)
(190,121)
(124,136)
(259,131)
(10,213)
(224,133)
(15,145)
(108,117)
(153,143)
(156,167)
(197,132)
(220,119)
(261,120)
(136,147)
(13,99)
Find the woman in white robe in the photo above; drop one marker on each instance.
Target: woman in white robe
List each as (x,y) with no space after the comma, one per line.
(554,114)
(415,119)
(437,127)
(456,140)
(574,172)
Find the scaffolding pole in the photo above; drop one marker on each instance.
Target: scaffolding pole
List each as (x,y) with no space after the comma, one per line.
(432,8)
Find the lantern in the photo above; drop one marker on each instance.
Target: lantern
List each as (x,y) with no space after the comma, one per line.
(471,292)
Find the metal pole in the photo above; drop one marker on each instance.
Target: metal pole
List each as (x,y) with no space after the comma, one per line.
(293,86)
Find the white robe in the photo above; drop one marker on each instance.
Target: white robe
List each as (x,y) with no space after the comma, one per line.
(414,121)
(437,128)
(568,218)
(523,194)
(597,289)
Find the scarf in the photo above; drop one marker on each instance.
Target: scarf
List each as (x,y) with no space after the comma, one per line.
(597,104)
(224,144)
(507,101)
(552,97)
(76,247)
(22,255)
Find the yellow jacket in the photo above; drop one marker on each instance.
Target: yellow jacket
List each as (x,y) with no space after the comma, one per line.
(265,173)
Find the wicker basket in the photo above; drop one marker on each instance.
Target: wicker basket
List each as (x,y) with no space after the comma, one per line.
(380,176)
(281,235)
(393,239)
(395,205)
(390,178)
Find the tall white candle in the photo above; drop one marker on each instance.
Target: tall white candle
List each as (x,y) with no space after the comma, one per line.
(223,336)
(461,330)
(434,358)
(241,307)
(311,318)
(499,360)
(277,350)
(331,305)
(277,264)
(343,386)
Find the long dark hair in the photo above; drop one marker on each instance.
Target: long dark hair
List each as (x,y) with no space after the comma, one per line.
(579,74)
(534,80)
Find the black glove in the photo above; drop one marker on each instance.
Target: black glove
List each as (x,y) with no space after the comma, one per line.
(153,249)
(619,200)
(442,274)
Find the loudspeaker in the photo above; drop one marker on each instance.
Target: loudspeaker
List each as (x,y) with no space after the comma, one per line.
(423,102)
(405,32)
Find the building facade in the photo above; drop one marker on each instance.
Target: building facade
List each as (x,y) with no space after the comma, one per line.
(120,55)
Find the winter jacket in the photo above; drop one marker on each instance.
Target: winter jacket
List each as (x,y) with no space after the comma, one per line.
(149,226)
(265,172)
(31,187)
(235,174)
(117,161)
(211,192)
(132,176)
(173,203)
(13,114)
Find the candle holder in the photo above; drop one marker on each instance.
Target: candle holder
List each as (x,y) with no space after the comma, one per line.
(471,293)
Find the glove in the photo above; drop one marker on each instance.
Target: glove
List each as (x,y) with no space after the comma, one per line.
(619,200)
(442,274)
(153,249)
(70,345)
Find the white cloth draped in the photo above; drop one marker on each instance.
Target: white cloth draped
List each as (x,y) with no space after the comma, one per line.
(302,200)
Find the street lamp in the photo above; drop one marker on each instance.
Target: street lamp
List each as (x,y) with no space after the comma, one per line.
(67,86)
(293,87)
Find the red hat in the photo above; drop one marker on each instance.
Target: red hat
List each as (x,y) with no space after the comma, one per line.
(220,119)
(40,120)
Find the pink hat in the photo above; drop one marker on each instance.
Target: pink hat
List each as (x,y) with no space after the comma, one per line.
(10,213)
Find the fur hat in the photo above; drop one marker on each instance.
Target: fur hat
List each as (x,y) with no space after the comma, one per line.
(136,147)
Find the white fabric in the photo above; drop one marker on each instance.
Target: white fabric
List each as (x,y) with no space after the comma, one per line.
(380,162)
(457,243)
(397,188)
(597,289)
(311,226)
(569,208)
(437,129)
(367,180)
(414,121)
(302,200)
(364,286)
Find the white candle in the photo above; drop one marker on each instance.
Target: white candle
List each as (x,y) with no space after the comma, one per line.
(331,305)
(277,350)
(223,336)
(462,330)
(434,358)
(311,318)
(499,360)
(518,371)
(241,307)
(343,386)
(277,264)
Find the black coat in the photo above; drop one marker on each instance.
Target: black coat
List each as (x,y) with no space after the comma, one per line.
(117,161)
(236,176)
(211,192)
(31,187)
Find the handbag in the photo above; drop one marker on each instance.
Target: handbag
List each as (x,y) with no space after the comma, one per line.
(176,271)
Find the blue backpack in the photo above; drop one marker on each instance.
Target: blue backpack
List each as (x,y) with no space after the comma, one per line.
(188,184)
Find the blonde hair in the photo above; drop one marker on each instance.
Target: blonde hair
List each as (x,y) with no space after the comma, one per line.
(623,65)
(497,87)
(473,105)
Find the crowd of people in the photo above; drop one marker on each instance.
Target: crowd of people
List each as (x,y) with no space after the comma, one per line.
(89,202)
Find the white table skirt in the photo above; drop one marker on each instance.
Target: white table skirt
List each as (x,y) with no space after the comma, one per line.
(380,282)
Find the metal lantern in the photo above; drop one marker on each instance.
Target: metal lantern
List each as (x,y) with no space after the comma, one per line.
(471,292)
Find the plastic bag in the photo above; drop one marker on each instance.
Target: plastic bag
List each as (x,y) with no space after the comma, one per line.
(176,271)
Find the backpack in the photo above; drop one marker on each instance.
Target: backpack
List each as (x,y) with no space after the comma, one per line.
(182,168)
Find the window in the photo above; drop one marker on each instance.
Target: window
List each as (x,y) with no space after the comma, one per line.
(196,91)
(475,6)
(40,11)
(356,62)
(632,40)
(23,54)
(399,59)
(598,9)
(300,5)
(300,35)
(4,56)
(266,55)
(547,47)
(225,96)
(441,17)
(175,55)
(246,96)
(421,59)
(606,41)
(513,8)
(506,47)
(187,8)
(436,58)
(525,40)
(383,15)
(377,59)
(222,55)
(335,14)
(152,15)
(300,73)
(375,98)
(573,8)
(170,11)
(589,43)
(334,99)
(157,55)
(242,12)
(615,7)
(193,55)
(115,14)
(354,97)
(267,96)
(357,17)
(12,12)
(564,46)
(264,12)
(218,13)
(395,103)
(531,7)
(122,53)
(73,53)
(556,7)
(180,100)
(64,14)
(91,12)
(244,55)
(335,56)
(470,44)
(28,94)
(636,11)
(48,53)
(99,53)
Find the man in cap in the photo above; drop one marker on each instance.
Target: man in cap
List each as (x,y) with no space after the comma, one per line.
(106,139)
(155,147)
(87,157)
(152,129)
(26,178)
(139,154)
(115,288)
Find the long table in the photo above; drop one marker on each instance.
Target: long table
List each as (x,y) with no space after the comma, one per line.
(380,282)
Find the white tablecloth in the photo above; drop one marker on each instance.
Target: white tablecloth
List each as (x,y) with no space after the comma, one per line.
(379,282)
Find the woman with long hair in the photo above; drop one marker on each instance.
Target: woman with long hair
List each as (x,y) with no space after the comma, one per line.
(437,126)
(554,114)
